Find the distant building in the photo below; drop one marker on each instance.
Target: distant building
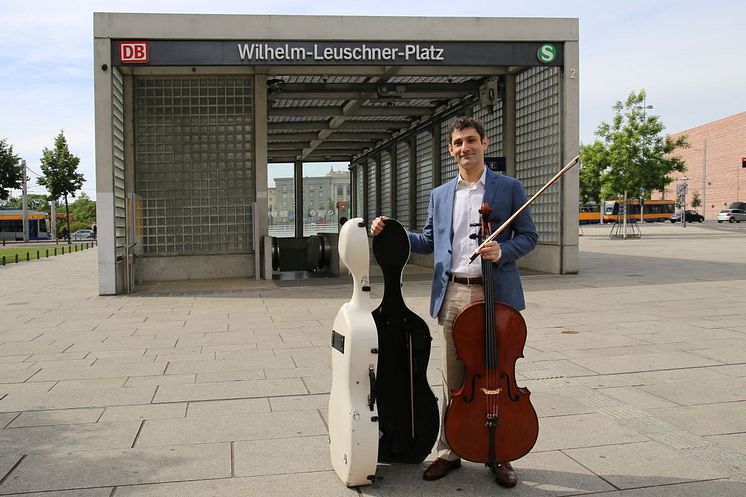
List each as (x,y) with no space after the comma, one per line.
(714,165)
(321,194)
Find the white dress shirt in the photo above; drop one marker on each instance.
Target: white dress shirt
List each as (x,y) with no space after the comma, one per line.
(466,207)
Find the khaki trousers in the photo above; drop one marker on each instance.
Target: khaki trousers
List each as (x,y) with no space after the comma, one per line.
(457,296)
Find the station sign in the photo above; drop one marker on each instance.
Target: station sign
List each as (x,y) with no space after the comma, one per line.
(252,52)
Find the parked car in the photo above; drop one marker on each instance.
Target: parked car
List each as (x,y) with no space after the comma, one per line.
(691,217)
(732,215)
(84,234)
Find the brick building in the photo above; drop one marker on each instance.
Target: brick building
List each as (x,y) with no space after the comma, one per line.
(714,164)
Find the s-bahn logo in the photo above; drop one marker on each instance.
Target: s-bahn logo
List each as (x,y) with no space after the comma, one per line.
(133,52)
(547,53)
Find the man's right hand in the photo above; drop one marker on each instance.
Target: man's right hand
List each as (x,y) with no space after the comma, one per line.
(377,225)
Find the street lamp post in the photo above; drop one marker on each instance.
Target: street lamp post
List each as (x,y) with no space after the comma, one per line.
(683,201)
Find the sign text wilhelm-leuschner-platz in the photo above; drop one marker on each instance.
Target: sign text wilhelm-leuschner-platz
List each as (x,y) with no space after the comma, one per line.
(286,52)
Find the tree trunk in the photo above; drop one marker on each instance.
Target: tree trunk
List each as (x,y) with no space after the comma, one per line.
(67,215)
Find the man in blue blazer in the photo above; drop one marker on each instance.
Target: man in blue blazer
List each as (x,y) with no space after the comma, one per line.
(449,233)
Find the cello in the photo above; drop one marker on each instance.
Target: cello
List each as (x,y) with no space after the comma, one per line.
(490,418)
(407,408)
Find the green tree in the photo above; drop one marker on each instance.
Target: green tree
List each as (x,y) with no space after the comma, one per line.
(60,176)
(11,170)
(36,202)
(591,172)
(631,156)
(84,212)
(696,201)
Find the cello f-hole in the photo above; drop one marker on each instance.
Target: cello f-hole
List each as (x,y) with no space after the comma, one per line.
(473,388)
(511,395)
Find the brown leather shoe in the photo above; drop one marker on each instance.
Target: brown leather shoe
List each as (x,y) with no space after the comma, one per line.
(439,468)
(505,475)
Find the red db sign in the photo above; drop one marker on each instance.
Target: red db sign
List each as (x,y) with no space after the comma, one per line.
(133,52)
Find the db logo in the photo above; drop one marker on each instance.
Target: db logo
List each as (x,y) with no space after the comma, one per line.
(133,52)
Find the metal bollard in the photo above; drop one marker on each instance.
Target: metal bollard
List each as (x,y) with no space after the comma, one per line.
(47,253)
(3,260)
(37,254)
(28,257)
(63,250)
(16,258)
(55,251)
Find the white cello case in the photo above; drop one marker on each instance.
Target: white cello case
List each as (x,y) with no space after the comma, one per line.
(353,414)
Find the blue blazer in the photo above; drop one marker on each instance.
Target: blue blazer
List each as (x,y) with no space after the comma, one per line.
(504,195)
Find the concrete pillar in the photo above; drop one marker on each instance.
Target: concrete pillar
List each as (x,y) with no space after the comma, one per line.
(298,181)
(261,228)
(569,186)
(107,271)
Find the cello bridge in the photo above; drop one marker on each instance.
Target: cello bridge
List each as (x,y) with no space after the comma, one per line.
(492,392)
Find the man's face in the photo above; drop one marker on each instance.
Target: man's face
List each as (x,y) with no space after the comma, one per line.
(467,149)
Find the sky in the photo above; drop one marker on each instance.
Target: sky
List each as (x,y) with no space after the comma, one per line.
(686,54)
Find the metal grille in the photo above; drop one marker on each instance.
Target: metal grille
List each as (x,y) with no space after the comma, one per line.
(424,175)
(448,167)
(493,127)
(360,206)
(538,145)
(402,183)
(371,189)
(120,207)
(194,164)
(385,184)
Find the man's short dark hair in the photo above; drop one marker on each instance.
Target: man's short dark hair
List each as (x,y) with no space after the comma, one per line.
(465,122)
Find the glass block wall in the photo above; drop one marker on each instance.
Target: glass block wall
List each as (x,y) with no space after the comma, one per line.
(448,167)
(385,184)
(538,150)
(424,175)
(360,205)
(193,164)
(402,183)
(371,212)
(493,127)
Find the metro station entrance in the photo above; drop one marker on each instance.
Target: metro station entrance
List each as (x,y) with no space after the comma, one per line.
(224,142)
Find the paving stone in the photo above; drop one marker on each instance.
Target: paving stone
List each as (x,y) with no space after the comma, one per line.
(322,484)
(643,362)
(227,390)
(719,488)
(181,367)
(299,402)
(89,436)
(701,392)
(57,417)
(90,492)
(103,397)
(651,465)
(733,441)
(151,411)
(708,419)
(271,457)
(258,426)
(166,379)
(102,371)
(227,407)
(562,432)
(298,372)
(74,385)
(107,468)
(253,374)
(7,463)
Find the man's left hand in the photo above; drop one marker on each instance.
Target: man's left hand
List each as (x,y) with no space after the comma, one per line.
(491,251)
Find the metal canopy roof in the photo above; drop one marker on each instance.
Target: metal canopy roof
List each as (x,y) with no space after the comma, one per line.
(319,118)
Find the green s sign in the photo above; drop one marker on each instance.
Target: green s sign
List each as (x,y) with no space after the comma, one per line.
(547,53)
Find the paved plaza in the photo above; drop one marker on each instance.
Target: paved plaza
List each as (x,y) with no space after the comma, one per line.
(637,368)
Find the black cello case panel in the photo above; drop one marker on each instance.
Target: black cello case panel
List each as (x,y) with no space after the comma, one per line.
(407,408)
